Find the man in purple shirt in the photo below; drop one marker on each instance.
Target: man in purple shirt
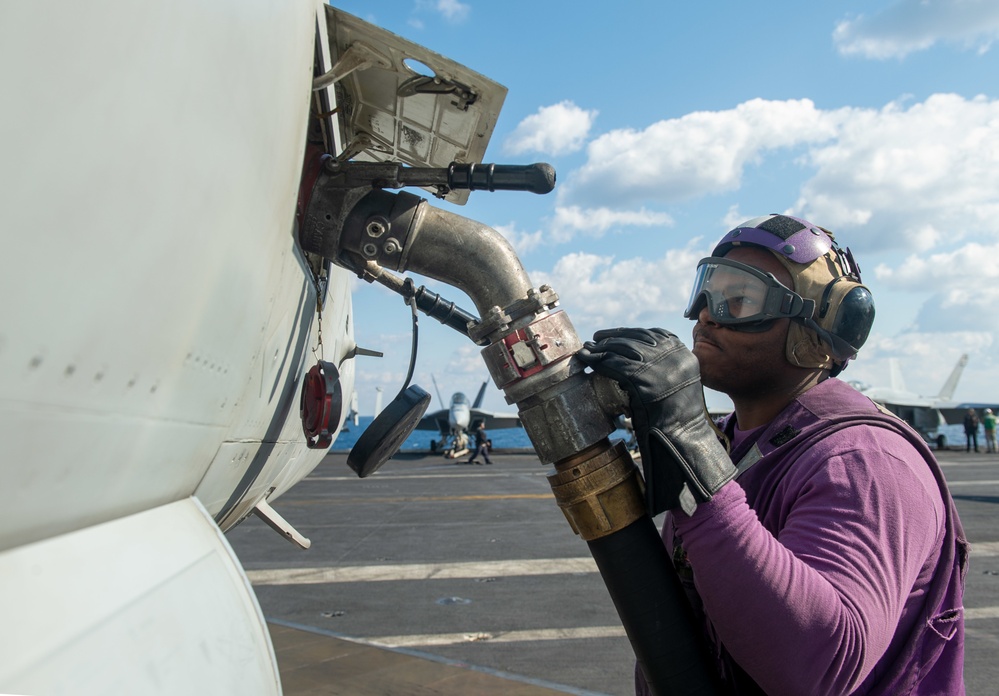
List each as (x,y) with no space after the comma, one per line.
(818,545)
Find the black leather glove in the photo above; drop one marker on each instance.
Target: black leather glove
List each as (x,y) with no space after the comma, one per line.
(683,461)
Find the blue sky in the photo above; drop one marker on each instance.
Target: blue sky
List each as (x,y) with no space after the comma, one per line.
(670,122)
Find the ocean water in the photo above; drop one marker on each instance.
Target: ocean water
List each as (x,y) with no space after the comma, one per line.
(503,438)
(955,436)
(516,438)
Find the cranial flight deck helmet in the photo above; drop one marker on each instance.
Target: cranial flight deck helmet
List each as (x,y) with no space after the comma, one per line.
(831,311)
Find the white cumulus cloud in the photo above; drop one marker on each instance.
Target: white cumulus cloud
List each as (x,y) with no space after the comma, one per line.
(908,26)
(909,177)
(555,130)
(601,291)
(906,176)
(701,152)
(596,221)
(568,222)
(453,10)
(962,281)
(971,263)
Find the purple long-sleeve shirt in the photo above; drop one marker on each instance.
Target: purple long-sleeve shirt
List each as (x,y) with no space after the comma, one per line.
(815,564)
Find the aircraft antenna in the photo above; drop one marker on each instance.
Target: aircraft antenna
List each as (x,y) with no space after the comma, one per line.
(438,390)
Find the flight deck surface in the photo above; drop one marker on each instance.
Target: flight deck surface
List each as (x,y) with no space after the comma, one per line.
(433,577)
(313,663)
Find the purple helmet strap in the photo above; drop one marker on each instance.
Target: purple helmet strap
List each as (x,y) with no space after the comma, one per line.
(792,238)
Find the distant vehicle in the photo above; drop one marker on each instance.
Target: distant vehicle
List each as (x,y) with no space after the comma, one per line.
(927,414)
(454,423)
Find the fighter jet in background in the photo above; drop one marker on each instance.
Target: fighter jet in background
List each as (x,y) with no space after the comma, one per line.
(927,414)
(454,423)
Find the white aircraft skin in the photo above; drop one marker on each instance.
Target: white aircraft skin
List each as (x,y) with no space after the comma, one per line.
(157,321)
(459,413)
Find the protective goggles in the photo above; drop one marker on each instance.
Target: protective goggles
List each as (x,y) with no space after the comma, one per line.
(743,297)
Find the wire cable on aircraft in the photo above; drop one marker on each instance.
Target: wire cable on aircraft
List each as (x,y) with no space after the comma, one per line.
(416,340)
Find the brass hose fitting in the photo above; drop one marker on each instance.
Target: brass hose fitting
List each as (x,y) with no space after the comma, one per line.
(599,490)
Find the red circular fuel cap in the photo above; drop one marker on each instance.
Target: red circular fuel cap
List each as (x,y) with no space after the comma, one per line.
(321,404)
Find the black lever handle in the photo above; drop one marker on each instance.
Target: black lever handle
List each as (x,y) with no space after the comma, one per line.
(536,178)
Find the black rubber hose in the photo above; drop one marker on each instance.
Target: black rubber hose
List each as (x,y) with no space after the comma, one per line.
(444,311)
(653,607)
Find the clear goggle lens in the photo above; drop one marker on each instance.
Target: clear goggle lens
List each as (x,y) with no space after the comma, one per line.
(742,296)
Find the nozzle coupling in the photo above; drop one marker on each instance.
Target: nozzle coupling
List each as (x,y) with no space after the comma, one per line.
(599,490)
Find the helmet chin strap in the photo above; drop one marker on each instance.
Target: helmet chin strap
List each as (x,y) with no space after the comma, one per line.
(809,356)
(823,351)
(841,350)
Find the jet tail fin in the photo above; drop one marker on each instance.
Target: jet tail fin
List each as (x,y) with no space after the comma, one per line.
(353,414)
(438,390)
(481,395)
(947,390)
(895,375)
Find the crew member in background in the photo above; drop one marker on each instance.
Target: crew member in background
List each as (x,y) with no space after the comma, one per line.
(481,445)
(989,423)
(971,429)
(819,544)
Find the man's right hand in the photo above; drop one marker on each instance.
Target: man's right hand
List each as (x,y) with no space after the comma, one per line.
(684,462)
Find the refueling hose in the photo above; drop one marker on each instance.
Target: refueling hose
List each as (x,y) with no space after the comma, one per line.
(654,610)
